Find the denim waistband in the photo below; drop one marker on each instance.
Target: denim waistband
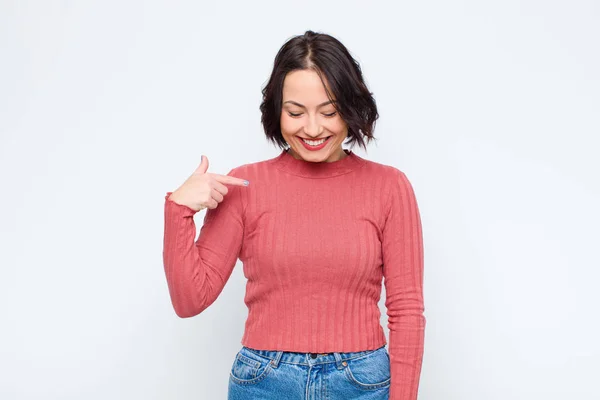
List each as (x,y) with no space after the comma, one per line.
(292,357)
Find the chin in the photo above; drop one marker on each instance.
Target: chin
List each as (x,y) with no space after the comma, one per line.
(314,157)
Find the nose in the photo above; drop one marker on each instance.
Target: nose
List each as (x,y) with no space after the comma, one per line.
(312,127)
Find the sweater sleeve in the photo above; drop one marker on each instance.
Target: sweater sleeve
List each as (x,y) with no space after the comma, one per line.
(402,247)
(197,271)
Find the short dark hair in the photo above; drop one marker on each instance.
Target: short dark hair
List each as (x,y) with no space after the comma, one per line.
(330,59)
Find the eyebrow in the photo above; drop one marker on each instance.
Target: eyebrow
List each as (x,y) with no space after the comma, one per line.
(300,105)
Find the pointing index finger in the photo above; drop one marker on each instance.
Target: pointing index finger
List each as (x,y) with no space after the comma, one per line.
(231,180)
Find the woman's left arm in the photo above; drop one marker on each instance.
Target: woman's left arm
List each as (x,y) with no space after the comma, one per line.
(402,247)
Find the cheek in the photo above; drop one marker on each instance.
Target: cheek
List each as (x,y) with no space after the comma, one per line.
(289,125)
(338,127)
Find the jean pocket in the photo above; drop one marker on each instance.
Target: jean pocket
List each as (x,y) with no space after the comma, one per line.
(249,368)
(371,371)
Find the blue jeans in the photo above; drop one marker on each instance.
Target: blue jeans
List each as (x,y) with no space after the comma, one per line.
(268,374)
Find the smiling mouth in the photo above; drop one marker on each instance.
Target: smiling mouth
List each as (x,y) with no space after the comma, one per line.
(315,142)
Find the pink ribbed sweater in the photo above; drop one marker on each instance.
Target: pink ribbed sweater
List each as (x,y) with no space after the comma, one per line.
(315,240)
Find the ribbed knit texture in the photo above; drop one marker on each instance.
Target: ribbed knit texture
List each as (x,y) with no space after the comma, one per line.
(315,240)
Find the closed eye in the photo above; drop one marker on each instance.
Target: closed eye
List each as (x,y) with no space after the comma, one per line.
(326,115)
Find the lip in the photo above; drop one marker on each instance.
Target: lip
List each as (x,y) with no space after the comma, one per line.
(314,148)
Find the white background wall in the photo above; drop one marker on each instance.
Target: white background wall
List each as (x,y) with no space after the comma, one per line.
(492,109)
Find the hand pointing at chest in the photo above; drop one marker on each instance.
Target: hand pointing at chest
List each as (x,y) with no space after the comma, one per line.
(204,189)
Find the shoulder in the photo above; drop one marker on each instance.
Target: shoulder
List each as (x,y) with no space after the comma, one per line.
(253,168)
(389,173)
(396,187)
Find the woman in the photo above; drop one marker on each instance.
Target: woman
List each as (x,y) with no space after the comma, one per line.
(317,228)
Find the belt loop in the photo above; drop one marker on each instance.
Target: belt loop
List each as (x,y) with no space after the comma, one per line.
(338,360)
(275,361)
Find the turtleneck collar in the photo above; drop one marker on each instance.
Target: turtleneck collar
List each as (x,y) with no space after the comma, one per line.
(286,162)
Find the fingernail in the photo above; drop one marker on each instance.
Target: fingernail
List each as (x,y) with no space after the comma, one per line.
(246,183)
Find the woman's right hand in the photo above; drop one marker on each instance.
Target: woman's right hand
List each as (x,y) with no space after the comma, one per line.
(204,189)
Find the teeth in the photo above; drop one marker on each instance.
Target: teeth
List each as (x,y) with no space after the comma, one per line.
(314,142)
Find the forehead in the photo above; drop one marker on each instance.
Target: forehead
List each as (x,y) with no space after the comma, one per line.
(304,86)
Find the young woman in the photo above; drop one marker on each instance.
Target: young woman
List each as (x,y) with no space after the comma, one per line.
(317,229)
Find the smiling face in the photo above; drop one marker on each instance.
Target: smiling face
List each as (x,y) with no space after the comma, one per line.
(308,114)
